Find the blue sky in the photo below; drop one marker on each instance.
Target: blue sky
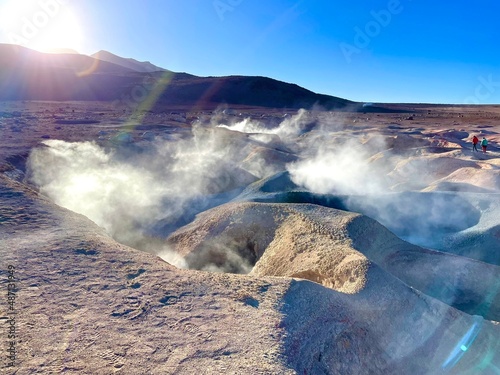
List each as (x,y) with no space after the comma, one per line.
(374,51)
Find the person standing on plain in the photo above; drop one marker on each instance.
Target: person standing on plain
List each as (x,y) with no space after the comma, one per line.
(484,144)
(475,141)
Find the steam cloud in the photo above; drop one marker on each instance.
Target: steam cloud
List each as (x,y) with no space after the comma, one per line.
(140,194)
(362,169)
(288,128)
(339,167)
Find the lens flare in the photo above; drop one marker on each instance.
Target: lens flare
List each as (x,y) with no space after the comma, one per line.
(464,344)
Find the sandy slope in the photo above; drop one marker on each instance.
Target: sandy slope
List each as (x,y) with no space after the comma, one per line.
(333,248)
(87,305)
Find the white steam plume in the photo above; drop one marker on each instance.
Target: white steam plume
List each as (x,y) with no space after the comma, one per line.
(362,174)
(339,167)
(288,128)
(140,195)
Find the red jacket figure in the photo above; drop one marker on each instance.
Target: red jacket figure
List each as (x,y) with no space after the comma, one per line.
(475,141)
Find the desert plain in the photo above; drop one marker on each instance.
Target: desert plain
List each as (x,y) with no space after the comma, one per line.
(249,240)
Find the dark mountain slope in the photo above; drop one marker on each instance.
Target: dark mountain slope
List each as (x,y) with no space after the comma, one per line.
(30,75)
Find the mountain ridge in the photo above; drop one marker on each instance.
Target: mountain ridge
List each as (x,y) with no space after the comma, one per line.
(31,75)
(130,63)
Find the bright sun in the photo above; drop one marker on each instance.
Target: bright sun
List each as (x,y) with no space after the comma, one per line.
(44,25)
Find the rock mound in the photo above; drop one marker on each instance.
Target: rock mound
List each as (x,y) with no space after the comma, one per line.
(486,180)
(330,247)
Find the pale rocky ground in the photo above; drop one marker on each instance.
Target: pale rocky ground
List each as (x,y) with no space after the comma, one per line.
(382,300)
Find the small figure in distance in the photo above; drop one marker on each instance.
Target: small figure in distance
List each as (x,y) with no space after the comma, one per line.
(484,144)
(475,141)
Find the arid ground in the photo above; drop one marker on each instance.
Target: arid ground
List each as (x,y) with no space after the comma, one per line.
(248,240)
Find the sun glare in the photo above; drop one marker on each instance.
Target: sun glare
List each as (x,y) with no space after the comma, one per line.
(44,25)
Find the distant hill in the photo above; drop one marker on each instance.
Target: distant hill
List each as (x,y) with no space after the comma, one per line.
(245,90)
(138,66)
(30,75)
(25,60)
